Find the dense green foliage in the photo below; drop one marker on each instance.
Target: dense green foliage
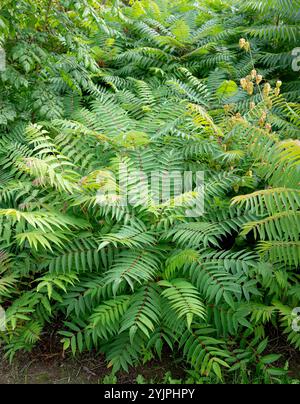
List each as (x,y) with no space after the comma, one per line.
(154,85)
